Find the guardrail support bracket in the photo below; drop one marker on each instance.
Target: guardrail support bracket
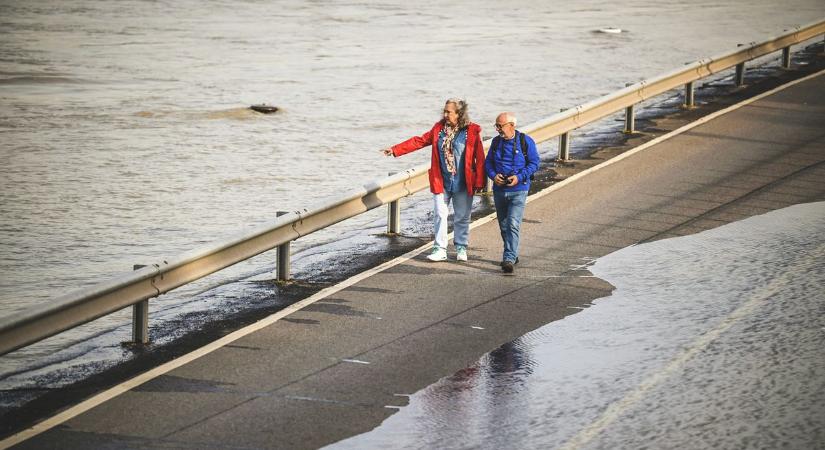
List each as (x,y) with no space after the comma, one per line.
(140,318)
(786,57)
(629,120)
(140,322)
(283,256)
(689,100)
(393,215)
(739,79)
(564,147)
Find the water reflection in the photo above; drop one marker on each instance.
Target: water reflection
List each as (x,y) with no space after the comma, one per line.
(473,404)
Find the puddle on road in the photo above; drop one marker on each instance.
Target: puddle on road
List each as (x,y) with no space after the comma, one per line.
(697,347)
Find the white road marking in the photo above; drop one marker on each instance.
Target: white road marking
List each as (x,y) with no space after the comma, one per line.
(355,361)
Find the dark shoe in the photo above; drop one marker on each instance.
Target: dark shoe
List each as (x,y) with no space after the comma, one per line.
(502,263)
(507,267)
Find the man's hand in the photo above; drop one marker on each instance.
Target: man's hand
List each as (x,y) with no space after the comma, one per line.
(512,181)
(499,180)
(386,151)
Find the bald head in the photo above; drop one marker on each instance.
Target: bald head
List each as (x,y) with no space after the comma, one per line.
(506,125)
(507,116)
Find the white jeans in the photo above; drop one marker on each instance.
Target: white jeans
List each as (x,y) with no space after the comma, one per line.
(462,206)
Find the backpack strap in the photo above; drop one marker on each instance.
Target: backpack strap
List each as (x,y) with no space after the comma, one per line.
(523,143)
(521,139)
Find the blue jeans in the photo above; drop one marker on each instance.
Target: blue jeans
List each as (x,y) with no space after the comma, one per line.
(509,211)
(463,206)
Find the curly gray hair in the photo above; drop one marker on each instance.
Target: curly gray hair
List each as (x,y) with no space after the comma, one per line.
(461,107)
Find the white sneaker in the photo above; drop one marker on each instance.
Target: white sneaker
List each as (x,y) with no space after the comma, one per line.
(438,254)
(461,253)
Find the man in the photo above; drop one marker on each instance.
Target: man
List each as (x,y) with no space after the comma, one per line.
(510,163)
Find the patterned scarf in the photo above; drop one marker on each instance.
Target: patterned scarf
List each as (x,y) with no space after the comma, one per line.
(447,147)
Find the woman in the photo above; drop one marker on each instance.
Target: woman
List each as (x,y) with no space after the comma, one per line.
(456,173)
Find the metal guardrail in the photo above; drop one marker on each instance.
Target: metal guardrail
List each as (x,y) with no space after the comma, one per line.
(86,305)
(135,289)
(561,124)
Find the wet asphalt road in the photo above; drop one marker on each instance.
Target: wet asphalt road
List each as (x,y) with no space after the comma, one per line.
(344,364)
(710,340)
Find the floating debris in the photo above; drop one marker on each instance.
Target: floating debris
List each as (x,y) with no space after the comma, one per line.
(264,108)
(611,30)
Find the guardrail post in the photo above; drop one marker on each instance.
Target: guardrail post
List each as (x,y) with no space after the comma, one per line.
(564,147)
(689,103)
(739,79)
(564,144)
(629,120)
(786,57)
(394,215)
(140,318)
(283,256)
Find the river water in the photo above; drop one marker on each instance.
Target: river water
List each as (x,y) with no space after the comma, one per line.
(713,340)
(125,137)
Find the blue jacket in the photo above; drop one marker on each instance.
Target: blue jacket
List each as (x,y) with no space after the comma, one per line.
(505,157)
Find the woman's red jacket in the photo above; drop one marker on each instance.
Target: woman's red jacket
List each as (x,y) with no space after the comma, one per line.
(473,157)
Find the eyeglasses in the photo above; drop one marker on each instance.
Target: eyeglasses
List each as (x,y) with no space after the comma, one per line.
(501,125)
